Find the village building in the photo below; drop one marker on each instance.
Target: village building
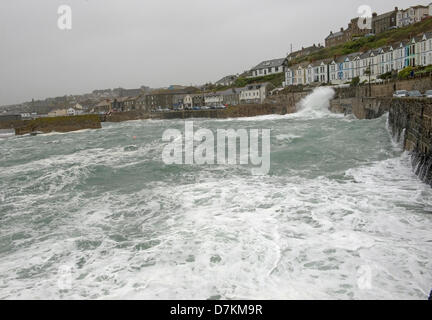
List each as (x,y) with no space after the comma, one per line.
(255,93)
(58,113)
(356,29)
(334,39)
(213,99)
(368,66)
(193,100)
(140,103)
(385,21)
(304,52)
(124,104)
(104,106)
(229,97)
(412,15)
(166,98)
(269,67)
(226,81)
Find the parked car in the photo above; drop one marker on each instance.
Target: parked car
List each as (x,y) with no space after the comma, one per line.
(205,108)
(400,94)
(415,94)
(428,94)
(196,108)
(220,107)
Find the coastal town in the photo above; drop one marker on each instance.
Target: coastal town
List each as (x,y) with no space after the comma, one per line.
(393,45)
(218,151)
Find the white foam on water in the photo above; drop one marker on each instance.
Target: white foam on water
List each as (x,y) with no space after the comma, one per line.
(6,133)
(213,235)
(242,238)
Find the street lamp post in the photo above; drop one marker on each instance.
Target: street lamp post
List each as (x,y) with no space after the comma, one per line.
(370,87)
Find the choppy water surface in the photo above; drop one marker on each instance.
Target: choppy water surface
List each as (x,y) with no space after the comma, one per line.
(341,215)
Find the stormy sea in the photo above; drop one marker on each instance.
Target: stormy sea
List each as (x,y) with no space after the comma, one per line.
(97,214)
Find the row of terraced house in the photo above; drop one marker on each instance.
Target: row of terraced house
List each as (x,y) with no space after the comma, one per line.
(184,98)
(365,65)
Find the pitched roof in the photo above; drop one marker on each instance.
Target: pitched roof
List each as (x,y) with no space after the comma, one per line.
(103,103)
(385,15)
(305,51)
(270,64)
(334,35)
(227,78)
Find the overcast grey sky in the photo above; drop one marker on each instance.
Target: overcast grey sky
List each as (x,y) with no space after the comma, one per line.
(129,43)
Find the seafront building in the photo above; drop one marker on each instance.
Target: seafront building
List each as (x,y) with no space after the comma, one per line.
(341,70)
(268,67)
(255,93)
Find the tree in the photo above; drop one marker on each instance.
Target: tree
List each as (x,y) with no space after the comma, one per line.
(240,82)
(355,81)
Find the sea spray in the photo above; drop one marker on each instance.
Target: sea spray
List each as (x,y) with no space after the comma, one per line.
(317,104)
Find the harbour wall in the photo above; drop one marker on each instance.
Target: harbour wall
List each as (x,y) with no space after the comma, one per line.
(281,104)
(410,120)
(57,124)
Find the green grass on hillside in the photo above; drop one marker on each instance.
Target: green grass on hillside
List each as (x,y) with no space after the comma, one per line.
(275,79)
(365,44)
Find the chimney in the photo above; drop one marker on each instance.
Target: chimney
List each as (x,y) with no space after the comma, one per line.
(396,9)
(374,14)
(342,29)
(331,32)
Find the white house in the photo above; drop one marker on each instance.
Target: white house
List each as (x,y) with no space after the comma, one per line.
(321,71)
(254,93)
(333,71)
(399,55)
(316,72)
(424,49)
(71,112)
(414,52)
(289,77)
(300,74)
(79,109)
(269,67)
(213,99)
(188,101)
(412,15)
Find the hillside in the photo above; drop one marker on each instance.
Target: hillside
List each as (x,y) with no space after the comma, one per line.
(373,42)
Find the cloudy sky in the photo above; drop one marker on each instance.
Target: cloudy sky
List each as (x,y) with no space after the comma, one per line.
(129,43)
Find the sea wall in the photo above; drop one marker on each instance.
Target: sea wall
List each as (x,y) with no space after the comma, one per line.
(281,104)
(361,107)
(58,124)
(11,124)
(242,111)
(385,89)
(410,119)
